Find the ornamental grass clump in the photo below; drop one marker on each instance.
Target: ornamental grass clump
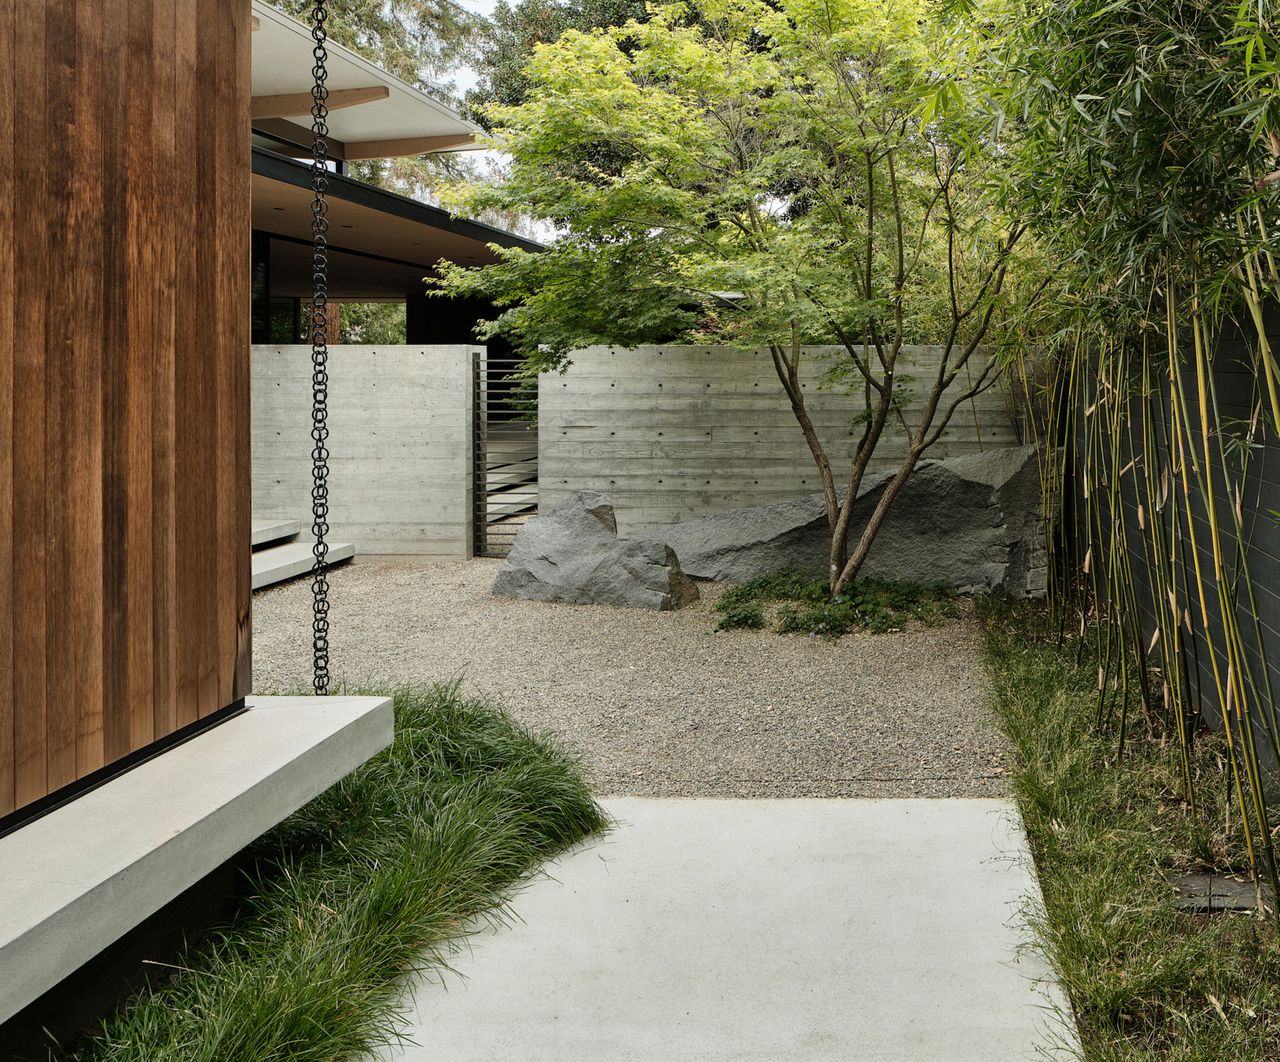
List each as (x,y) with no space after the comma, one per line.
(377,878)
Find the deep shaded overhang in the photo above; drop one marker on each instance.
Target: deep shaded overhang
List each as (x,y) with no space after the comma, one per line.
(382,243)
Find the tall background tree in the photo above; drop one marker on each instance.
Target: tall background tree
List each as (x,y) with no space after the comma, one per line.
(512,32)
(766,175)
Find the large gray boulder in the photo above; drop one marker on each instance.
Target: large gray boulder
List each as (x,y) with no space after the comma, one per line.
(573,554)
(968,522)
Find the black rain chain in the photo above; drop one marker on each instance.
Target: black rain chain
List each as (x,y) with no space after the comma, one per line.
(320,350)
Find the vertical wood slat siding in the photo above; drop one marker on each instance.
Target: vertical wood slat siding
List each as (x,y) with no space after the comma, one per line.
(130,713)
(167,147)
(8,34)
(234,243)
(26,90)
(124,368)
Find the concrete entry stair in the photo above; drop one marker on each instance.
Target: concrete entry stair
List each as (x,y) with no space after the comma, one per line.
(288,560)
(80,877)
(867,930)
(273,532)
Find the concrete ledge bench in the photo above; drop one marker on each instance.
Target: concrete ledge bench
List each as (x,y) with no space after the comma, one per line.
(80,877)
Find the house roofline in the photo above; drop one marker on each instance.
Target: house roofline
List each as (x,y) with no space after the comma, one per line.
(290,171)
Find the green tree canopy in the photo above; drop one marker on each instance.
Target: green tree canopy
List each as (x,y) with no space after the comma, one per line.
(419,41)
(766,175)
(513,31)
(1142,135)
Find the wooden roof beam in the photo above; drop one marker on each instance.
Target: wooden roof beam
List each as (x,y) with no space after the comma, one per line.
(411,145)
(288,104)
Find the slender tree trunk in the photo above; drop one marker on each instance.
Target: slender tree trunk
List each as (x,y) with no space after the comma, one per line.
(931,425)
(791,385)
(861,458)
(865,541)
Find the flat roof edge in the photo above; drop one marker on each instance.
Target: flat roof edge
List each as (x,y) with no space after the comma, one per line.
(290,171)
(263,9)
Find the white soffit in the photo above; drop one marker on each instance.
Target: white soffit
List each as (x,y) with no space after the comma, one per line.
(282,62)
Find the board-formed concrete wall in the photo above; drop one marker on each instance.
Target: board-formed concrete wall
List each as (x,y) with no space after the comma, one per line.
(671,433)
(400,439)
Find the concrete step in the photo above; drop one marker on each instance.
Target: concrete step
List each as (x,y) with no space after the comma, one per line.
(513,490)
(269,532)
(498,509)
(275,564)
(501,462)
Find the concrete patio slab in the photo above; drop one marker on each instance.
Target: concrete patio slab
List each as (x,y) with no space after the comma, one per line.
(761,929)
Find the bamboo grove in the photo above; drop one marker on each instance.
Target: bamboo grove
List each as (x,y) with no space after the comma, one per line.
(1148,158)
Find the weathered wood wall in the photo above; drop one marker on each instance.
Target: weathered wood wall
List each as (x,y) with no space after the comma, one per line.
(124,378)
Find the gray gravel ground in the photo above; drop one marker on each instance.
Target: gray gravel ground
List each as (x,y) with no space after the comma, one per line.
(657,703)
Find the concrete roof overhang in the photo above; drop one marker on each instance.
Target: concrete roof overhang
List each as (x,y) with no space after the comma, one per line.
(372,113)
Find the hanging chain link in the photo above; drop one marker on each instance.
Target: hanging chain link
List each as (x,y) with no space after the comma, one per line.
(319,328)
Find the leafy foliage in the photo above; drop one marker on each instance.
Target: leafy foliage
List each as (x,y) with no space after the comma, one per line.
(806,605)
(769,155)
(372,322)
(376,878)
(745,615)
(1140,133)
(1144,141)
(756,174)
(419,41)
(513,31)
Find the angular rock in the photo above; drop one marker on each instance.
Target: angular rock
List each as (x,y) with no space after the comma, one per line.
(573,554)
(969,522)
(740,544)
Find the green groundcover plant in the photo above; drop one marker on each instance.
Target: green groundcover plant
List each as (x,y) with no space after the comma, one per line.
(375,879)
(793,603)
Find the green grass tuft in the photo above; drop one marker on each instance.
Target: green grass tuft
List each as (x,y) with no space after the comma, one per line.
(805,606)
(746,616)
(376,878)
(1146,980)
